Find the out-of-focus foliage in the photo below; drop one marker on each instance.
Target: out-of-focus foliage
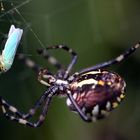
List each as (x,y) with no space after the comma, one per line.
(98,31)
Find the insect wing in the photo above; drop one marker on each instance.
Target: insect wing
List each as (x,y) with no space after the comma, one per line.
(12,28)
(8,54)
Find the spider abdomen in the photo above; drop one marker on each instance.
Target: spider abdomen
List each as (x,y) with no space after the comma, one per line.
(97,92)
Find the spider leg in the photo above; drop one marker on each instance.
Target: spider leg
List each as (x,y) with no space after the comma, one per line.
(54,62)
(44,112)
(38,103)
(6,106)
(35,67)
(21,118)
(117,60)
(29,63)
(80,112)
(25,121)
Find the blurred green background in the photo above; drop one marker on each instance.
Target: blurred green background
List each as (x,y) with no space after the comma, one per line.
(97,30)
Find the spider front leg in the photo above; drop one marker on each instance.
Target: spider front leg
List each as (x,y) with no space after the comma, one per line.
(117,60)
(29,63)
(78,109)
(17,116)
(12,113)
(5,105)
(54,62)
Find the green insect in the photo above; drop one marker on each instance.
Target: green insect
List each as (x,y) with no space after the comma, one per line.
(10,48)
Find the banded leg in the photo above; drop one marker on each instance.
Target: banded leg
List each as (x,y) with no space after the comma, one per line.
(6,106)
(52,60)
(117,60)
(51,91)
(21,118)
(80,112)
(73,61)
(28,123)
(29,63)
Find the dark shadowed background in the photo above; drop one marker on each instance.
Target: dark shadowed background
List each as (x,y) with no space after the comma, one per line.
(97,30)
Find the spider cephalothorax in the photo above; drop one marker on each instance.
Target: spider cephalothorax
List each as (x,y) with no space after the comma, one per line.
(92,93)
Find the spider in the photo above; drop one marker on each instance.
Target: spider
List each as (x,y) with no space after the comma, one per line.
(92,92)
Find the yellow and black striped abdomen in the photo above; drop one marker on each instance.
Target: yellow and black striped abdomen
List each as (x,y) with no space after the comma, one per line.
(97,92)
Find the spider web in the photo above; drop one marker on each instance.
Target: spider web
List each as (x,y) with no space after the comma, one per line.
(10,14)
